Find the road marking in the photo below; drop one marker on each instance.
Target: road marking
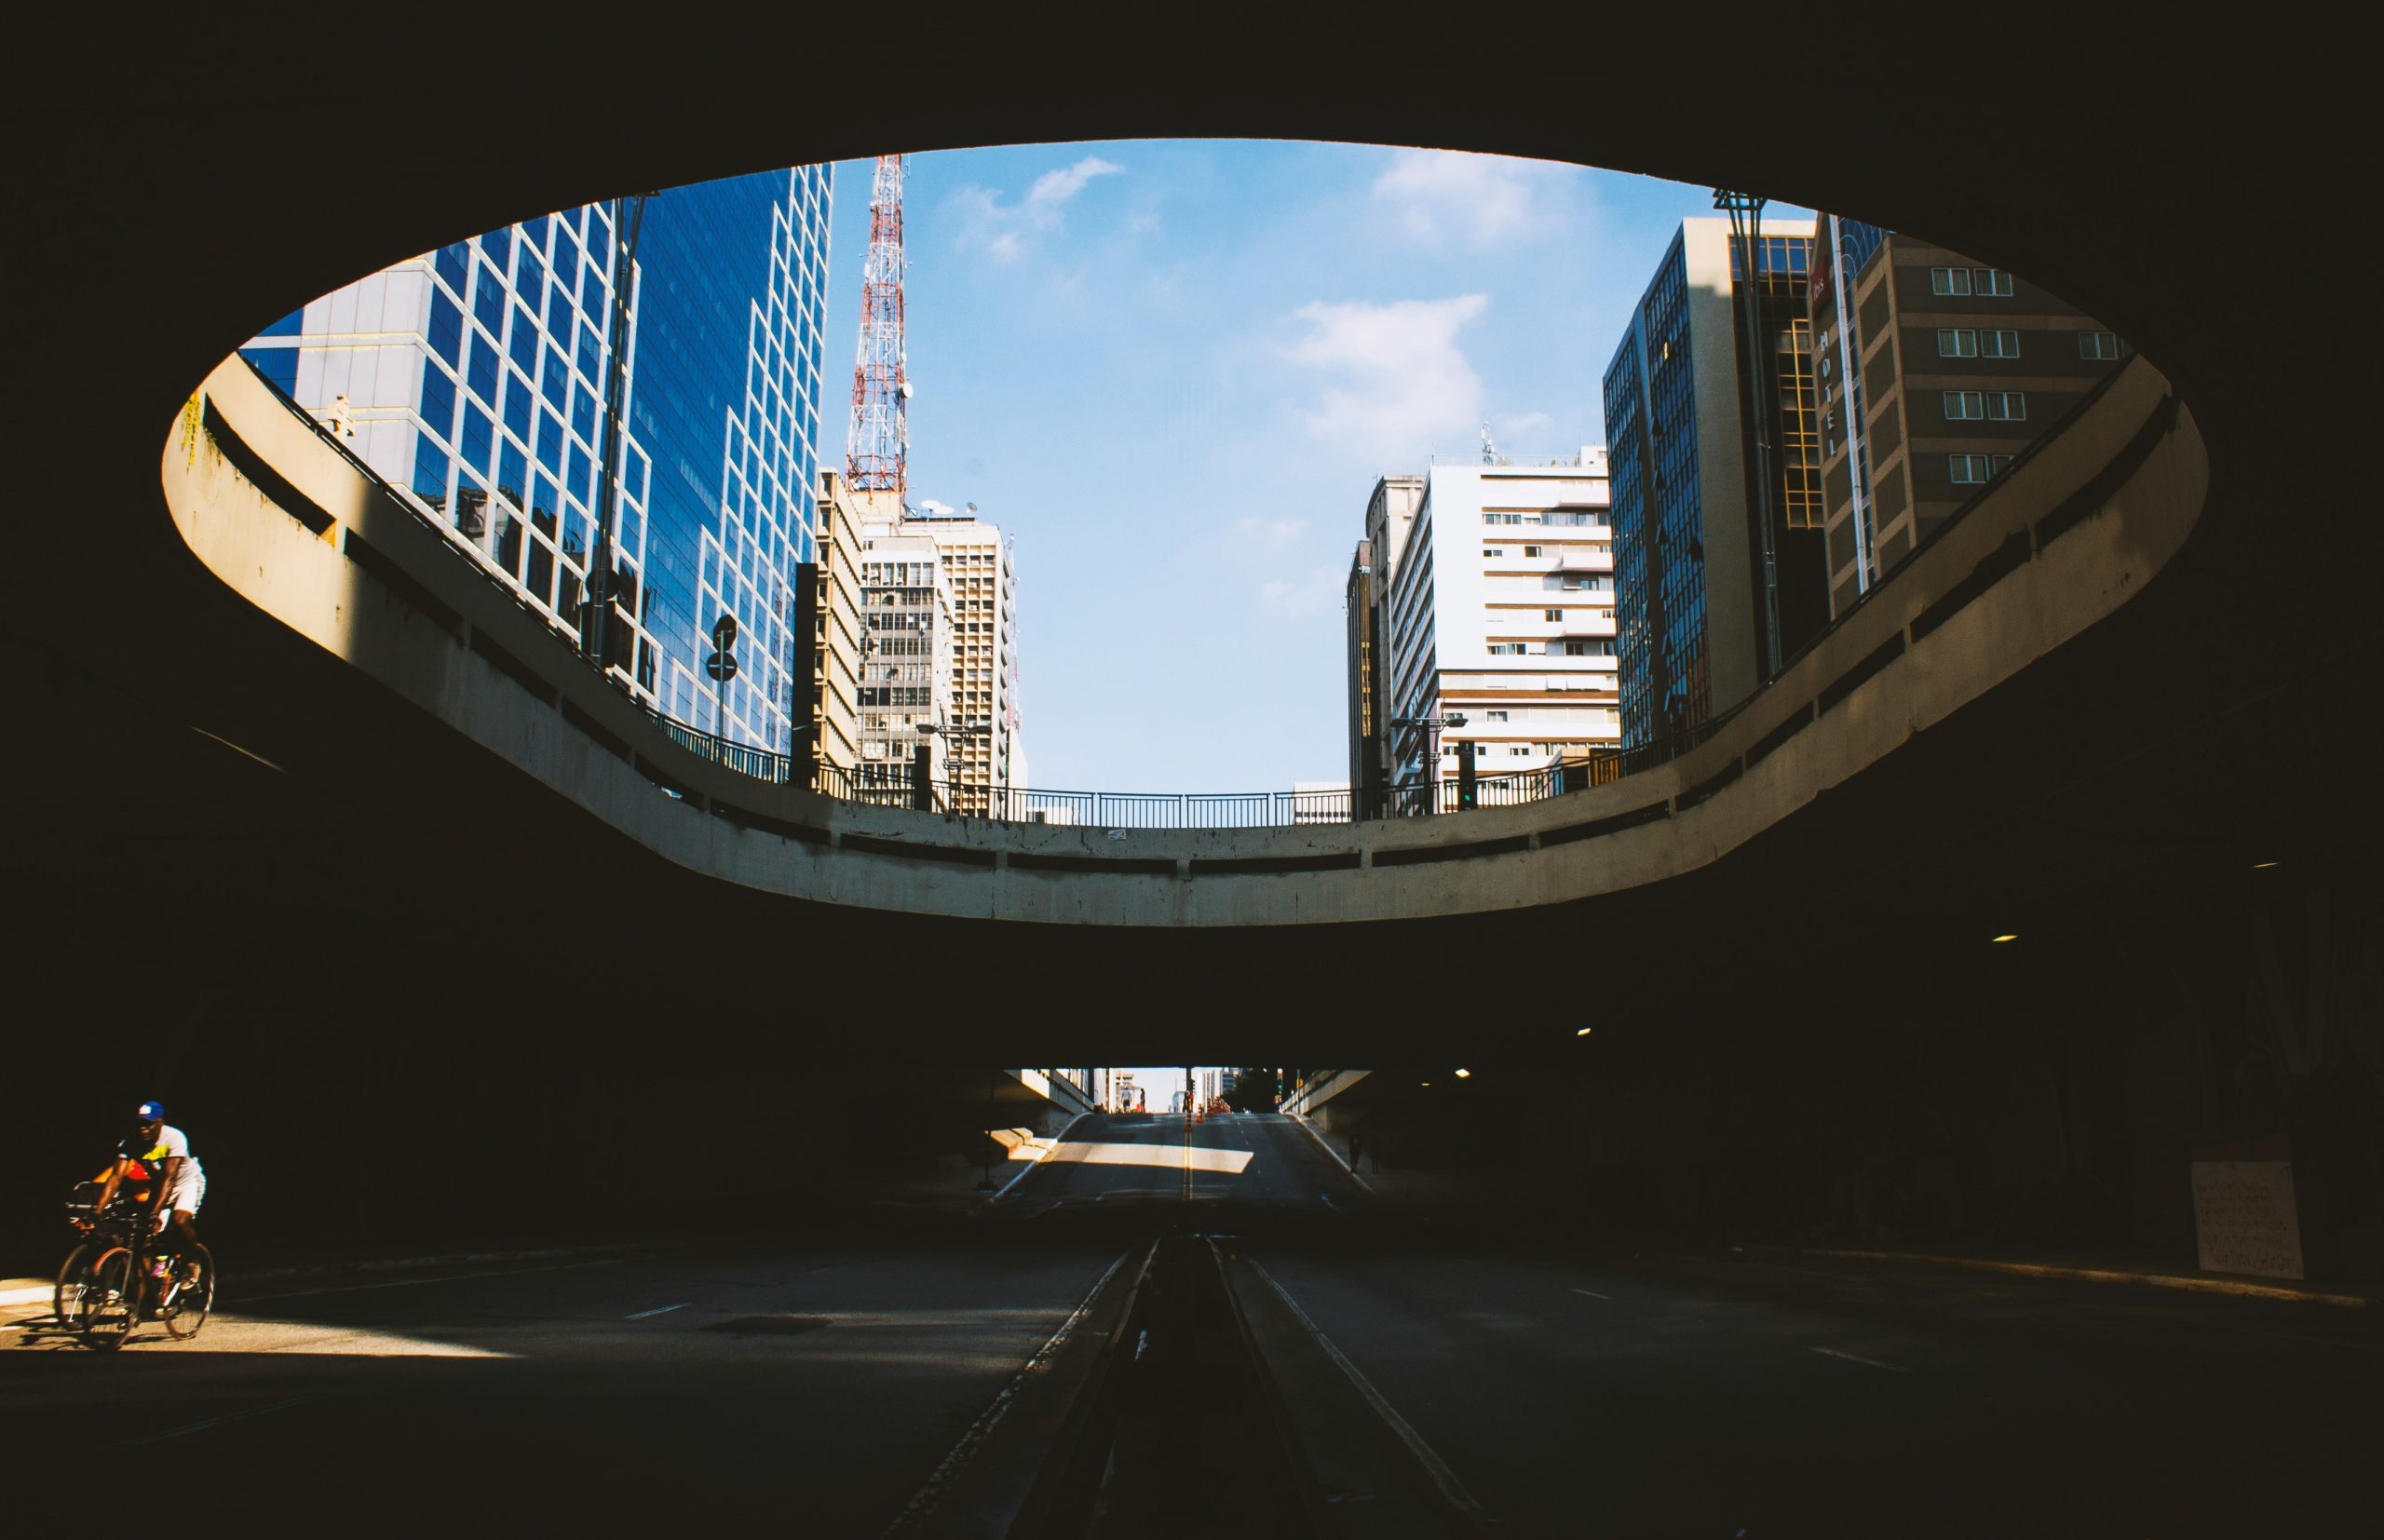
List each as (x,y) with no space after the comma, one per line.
(416,1283)
(1596,1295)
(217,1422)
(1856,1357)
(1452,1490)
(925,1500)
(658,1310)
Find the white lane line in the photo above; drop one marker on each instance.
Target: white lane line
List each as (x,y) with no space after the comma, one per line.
(658,1310)
(416,1283)
(217,1422)
(1596,1295)
(1857,1357)
(1452,1490)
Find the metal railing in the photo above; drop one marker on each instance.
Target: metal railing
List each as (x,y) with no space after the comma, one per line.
(893,784)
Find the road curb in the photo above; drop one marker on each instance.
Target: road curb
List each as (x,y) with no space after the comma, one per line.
(2239,1288)
(1326,1146)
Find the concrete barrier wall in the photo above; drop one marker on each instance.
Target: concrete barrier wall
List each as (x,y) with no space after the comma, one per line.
(279,513)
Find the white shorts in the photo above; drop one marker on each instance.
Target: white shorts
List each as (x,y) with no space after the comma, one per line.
(189,1187)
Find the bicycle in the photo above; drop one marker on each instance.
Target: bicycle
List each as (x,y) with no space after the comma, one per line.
(104,1287)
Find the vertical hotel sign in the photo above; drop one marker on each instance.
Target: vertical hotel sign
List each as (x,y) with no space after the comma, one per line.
(2244,1218)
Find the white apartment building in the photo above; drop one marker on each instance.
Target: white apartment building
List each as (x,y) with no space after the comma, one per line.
(1501,608)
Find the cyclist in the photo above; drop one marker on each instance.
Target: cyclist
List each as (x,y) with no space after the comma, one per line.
(177,1183)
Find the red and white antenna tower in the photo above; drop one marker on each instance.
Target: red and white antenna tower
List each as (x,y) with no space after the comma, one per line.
(878,440)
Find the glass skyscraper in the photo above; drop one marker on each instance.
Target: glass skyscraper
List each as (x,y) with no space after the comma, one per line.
(473,379)
(1689,577)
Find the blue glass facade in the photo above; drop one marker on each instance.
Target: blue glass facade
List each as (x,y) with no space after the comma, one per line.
(1692,614)
(1650,391)
(474,377)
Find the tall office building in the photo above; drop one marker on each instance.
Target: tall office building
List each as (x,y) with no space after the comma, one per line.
(1362,615)
(474,379)
(1501,608)
(829,620)
(1391,513)
(1706,561)
(907,647)
(1934,372)
(980,709)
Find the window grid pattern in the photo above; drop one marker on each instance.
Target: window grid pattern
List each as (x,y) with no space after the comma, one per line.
(1658,566)
(473,380)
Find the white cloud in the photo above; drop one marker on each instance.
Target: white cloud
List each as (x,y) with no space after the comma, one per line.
(1004,230)
(1053,188)
(1440,196)
(1317,592)
(1398,384)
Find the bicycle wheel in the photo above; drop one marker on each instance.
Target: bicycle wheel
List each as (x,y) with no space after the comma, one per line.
(70,1277)
(187,1301)
(110,1302)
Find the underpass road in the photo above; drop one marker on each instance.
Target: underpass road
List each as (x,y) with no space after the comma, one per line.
(1263,1159)
(1686,1399)
(586,1396)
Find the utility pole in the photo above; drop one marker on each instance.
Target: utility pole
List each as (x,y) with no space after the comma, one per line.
(1746,229)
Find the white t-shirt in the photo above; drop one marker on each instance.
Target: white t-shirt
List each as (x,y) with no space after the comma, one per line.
(170,1141)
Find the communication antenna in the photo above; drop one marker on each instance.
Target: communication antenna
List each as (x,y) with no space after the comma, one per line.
(878,439)
(1489,450)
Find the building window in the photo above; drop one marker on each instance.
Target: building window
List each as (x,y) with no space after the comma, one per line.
(1949,280)
(1506,649)
(1553,614)
(1956,342)
(1518,751)
(1965,406)
(2097,345)
(1971,470)
(1999,345)
(1535,550)
(2006,406)
(1494,550)
(1495,716)
(1991,282)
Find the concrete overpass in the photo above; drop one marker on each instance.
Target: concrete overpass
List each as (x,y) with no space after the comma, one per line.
(285,830)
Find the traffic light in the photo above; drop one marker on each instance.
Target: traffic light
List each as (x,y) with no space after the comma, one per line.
(1467,775)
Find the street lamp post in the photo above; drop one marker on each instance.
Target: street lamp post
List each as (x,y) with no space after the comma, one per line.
(1432,725)
(971,734)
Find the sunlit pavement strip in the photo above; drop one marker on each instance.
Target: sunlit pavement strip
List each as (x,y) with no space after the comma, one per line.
(204,1424)
(1856,1357)
(657,1310)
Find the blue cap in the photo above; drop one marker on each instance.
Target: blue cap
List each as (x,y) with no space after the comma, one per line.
(152,1112)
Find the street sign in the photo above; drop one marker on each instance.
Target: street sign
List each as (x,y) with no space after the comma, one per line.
(724,633)
(720,666)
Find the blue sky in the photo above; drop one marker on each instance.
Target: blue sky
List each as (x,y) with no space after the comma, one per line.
(1173,370)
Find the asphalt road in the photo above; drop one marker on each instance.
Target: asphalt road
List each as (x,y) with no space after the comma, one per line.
(1263,1160)
(1568,1393)
(1677,1397)
(592,1397)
